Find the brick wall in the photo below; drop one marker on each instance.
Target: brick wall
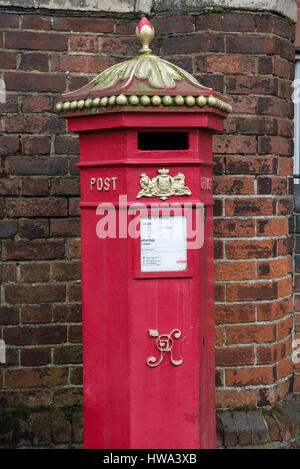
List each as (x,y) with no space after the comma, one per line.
(247,56)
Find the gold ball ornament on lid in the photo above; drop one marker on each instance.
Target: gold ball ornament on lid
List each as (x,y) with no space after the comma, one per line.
(145,34)
(145,100)
(156,100)
(121,100)
(134,100)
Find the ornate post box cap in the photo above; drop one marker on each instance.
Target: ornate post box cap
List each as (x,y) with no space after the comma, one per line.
(144,83)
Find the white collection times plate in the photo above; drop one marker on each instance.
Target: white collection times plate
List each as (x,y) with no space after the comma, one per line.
(163,244)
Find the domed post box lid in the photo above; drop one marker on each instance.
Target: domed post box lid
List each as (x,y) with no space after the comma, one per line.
(145,83)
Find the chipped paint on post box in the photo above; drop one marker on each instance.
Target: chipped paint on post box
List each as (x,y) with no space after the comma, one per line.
(145,129)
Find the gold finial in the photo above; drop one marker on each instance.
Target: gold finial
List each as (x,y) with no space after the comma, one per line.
(145,34)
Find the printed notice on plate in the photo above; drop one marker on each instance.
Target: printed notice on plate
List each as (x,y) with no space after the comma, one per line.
(163,243)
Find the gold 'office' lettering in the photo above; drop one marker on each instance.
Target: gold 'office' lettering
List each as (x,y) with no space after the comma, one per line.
(106,184)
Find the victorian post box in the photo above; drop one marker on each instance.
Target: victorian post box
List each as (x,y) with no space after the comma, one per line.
(145,129)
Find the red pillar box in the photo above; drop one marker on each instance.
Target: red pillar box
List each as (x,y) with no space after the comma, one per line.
(147,254)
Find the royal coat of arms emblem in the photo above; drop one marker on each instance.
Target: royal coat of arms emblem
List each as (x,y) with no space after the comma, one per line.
(163,185)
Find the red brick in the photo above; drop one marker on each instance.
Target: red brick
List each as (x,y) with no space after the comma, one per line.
(254,333)
(45,293)
(65,227)
(233,185)
(8,315)
(8,20)
(67,396)
(40,22)
(67,313)
(250,376)
(28,377)
(33,250)
(219,336)
(36,314)
(267,355)
(219,293)
(8,60)
(232,228)
(240,64)
(35,357)
(234,271)
(250,165)
(65,355)
(66,145)
(285,207)
(79,24)
(274,145)
(34,187)
(36,41)
(36,398)
(75,334)
(66,186)
(36,103)
(74,63)
(272,185)
(234,144)
(74,292)
(252,85)
(251,292)
(285,368)
(252,125)
(274,268)
(34,62)
(66,271)
(125,46)
(274,310)
(251,44)
(229,22)
(235,398)
(32,166)
(249,207)
(9,145)
(34,272)
(9,272)
(8,228)
(35,124)
(36,145)
(74,209)
(274,432)
(11,104)
(231,313)
(239,103)
(81,43)
(22,81)
(284,328)
(285,166)
(35,207)
(74,248)
(34,229)
(272,106)
(31,335)
(272,227)
(194,43)
(234,356)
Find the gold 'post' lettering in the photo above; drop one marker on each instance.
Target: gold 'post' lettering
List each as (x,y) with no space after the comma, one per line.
(99,184)
(92,182)
(103,184)
(114,183)
(107,184)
